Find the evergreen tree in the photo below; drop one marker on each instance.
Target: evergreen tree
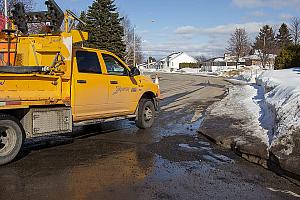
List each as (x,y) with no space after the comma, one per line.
(104,26)
(289,57)
(82,16)
(283,38)
(265,43)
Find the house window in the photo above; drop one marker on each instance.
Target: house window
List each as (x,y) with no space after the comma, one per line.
(172,64)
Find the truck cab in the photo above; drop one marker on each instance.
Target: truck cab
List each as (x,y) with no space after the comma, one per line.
(104,86)
(51,85)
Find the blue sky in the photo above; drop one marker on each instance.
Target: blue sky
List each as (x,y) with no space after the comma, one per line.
(198,27)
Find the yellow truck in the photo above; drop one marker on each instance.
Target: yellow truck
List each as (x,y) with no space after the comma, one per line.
(48,85)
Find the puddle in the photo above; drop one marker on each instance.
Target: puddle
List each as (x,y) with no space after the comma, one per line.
(184,127)
(204,143)
(206,148)
(186,146)
(166,170)
(215,158)
(197,124)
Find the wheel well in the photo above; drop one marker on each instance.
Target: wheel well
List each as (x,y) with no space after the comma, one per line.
(148,95)
(17,113)
(152,96)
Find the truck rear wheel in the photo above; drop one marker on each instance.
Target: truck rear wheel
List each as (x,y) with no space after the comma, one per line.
(11,138)
(146,113)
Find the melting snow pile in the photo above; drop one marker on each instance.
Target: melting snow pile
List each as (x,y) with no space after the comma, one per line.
(246,103)
(261,120)
(270,110)
(282,88)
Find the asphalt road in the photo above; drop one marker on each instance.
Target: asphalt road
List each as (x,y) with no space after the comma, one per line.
(118,161)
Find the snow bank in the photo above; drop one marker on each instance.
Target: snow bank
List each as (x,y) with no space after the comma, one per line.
(269,112)
(248,74)
(245,103)
(191,71)
(282,95)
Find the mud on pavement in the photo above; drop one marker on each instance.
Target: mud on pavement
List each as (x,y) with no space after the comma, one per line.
(169,161)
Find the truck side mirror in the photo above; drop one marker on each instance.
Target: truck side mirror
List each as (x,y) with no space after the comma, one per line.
(134,72)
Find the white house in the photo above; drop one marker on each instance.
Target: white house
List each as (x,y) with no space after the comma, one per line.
(172,61)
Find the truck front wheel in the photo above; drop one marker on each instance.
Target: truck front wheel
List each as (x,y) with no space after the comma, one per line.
(146,114)
(11,138)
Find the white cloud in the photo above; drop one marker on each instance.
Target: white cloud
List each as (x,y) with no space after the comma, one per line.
(163,49)
(266,3)
(251,27)
(187,39)
(248,3)
(186,30)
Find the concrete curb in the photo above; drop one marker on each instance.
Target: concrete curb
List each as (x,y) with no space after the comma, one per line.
(247,147)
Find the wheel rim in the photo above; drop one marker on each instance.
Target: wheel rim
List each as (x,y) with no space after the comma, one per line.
(8,140)
(148,114)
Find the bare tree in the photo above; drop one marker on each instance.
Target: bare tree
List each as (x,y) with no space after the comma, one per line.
(238,44)
(133,43)
(295,29)
(201,58)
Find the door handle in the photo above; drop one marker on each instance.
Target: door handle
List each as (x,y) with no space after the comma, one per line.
(81,81)
(114,82)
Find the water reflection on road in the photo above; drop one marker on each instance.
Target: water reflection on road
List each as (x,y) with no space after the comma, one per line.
(118,161)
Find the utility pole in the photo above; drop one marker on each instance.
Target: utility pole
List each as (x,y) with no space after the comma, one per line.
(5,14)
(134,56)
(264,53)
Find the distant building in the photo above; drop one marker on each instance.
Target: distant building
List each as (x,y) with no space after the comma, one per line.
(173,61)
(255,59)
(222,63)
(228,62)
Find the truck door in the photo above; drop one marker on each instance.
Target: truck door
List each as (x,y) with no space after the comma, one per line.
(89,88)
(122,88)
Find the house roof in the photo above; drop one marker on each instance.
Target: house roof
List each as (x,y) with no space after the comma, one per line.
(214,59)
(172,56)
(175,55)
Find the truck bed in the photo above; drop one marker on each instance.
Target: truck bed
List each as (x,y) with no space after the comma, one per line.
(31,89)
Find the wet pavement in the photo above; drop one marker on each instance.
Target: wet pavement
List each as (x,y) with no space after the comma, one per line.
(118,161)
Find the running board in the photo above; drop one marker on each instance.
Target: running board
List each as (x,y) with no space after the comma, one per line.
(98,121)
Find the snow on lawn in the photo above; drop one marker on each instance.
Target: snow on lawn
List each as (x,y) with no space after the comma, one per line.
(282,89)
(246,103)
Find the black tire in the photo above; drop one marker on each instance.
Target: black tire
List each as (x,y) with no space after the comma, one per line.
(146,114)
(12,137)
